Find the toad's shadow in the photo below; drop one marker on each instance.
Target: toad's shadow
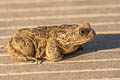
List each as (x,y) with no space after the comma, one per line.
(101,42)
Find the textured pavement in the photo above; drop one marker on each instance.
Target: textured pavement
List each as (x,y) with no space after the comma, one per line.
(100,59)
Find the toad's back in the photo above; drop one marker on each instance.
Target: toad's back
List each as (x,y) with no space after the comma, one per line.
(43,31)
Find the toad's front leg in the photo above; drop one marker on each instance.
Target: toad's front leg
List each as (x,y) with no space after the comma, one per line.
(53,52)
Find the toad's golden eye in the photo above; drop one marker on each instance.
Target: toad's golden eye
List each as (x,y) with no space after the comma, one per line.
(82,31)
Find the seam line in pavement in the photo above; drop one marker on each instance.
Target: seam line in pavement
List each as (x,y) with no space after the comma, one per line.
(67,71)
(19,27)
(105,79)
(59,17)
(60,8)
(78,61)
(36,1)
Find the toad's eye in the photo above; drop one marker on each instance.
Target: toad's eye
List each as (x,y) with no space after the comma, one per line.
(82,31)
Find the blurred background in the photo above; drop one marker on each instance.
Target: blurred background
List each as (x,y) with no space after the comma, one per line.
(103,15)
(103,52)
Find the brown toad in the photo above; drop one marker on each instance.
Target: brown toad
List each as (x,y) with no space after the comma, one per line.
(48,42)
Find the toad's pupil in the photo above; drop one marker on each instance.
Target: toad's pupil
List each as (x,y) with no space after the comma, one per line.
(82,31)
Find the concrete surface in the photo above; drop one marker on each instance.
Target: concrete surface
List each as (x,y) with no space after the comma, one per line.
(100,59)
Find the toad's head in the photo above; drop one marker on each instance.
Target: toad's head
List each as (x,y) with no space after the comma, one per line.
(79,35)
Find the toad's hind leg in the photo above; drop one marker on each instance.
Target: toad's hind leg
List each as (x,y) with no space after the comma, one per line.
(21,49)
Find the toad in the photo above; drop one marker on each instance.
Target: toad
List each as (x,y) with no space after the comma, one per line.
(48,42)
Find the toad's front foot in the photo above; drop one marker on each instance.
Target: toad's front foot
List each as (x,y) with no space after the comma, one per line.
(80,48)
